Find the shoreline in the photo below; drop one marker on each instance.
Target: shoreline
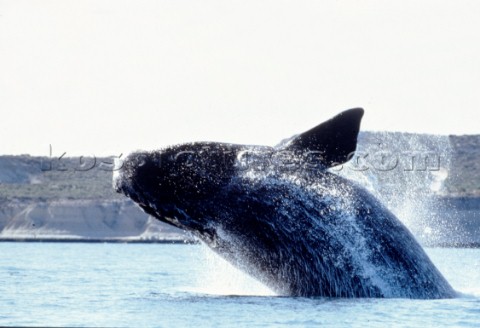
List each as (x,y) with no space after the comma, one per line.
(99,241)
(174,242)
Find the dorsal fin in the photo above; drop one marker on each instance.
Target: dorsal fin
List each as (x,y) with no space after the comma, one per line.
(334,139)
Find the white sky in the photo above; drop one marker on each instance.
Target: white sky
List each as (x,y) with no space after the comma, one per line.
(105,77)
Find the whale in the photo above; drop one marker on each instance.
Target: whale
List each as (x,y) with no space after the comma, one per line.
(282,214)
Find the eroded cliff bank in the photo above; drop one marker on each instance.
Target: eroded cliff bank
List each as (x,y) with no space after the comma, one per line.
(88,220)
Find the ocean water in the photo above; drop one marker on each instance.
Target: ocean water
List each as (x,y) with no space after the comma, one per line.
(164,285)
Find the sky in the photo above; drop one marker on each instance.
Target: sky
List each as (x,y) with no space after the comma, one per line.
(105,77)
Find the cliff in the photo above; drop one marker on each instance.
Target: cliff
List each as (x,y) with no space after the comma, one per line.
(71,199)
(88,220)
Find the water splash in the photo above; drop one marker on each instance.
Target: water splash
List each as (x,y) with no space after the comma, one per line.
(406,172)
(219,277)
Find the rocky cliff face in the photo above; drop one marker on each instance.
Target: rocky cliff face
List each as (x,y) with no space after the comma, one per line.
(82,219)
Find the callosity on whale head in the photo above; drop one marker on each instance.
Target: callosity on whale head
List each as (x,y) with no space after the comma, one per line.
(280,215)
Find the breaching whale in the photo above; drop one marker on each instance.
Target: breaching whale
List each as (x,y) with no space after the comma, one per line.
(280,215)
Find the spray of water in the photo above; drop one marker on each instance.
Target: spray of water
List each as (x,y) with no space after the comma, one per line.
(406,172)
(219,277)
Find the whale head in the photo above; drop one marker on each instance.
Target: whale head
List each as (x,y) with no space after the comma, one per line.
(167,182)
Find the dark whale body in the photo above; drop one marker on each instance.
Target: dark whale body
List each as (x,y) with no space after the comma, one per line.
(279,215)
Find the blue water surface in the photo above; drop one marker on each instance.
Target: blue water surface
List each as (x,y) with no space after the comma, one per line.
(161,285)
